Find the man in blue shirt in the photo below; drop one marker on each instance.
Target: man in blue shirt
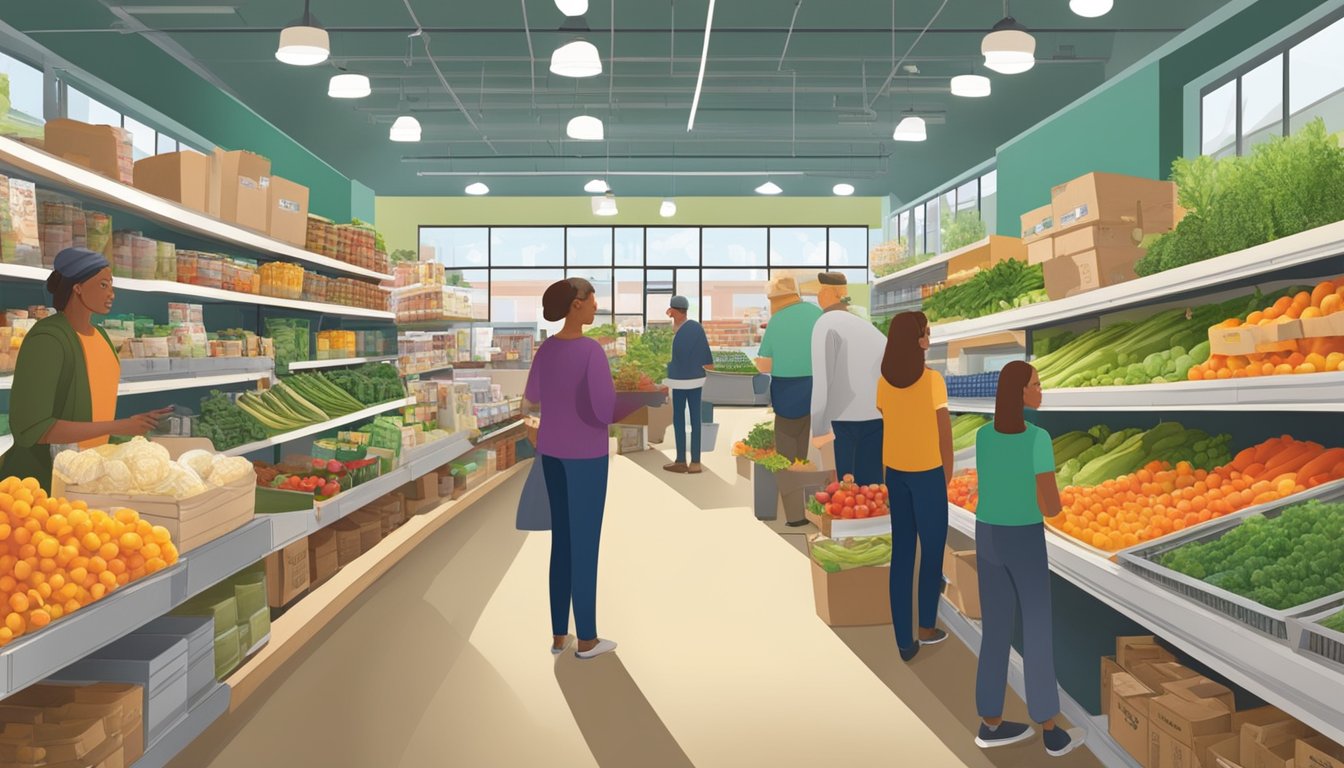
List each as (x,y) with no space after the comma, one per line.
(686,379)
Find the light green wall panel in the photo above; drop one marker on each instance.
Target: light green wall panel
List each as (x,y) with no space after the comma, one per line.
(363,203)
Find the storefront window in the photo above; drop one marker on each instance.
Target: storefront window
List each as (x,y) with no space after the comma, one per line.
(1262,103)
(588,246)
(989,193)
(797,247)
(629,246)
(24,116)
(87,109)
(1219,129)
(1316,79)
(933,223)
(848,247)
(456,246)
(732,294)
(673,246)
(515,295)
(733,247)
(968,196)
(527,247)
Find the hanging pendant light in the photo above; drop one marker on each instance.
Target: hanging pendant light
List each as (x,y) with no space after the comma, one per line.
(477,188)
(910,128)
(605,205)
(406,128)
(585,128)
(843,190)
(304,44)
(1009,49)
(668,209)
(572,7)
(349,86)
(971,86)
(596,187)
(1091,9)
(577,58)
(769,188)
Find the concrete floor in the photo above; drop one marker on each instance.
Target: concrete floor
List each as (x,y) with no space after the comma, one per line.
(722,661)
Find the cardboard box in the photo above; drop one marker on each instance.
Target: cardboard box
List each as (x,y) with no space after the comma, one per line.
(1089,270)
(631,439)
(1233,341)
(1319,752)
(1273,745)
(287,211)
(1040,251)
(1128,721)
(1109,668)
(421,495)
(1038,224)
(1157,674)
(853,598)
(130,699)
(1198,688)
(1133,650)
(1330,325)
(1170,752)
(1097,236)
(1225,753)
(370,528)
(967,578)
(323,557)
(1110,197)
(349,541)
(1276,332)
(240,188)
(744,467)
(102,149)
(183,177)
(288,574)
(1183,728)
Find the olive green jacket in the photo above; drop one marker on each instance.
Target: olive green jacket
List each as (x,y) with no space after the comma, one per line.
(50,383)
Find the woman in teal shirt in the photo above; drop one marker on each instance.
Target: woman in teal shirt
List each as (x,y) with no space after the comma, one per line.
(1016,466)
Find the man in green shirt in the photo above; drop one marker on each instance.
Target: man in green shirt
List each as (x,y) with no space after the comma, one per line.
(786,354)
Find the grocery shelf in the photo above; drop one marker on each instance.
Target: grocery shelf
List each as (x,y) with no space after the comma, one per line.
(39,274)
(1302,688)
(200,717)
(1295,250)
(49,171)
(315,429)
(217,560)
(926,266)
(436,324)
(1098,738)
(1313,392)
(431,369)
(426,458)
(341,362)
(182,380)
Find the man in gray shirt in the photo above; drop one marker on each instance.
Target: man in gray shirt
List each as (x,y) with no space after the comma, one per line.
(846,364)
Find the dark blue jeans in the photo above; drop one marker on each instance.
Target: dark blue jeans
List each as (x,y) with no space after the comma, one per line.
(918,511)
(1014,576)
(577,489)
(686,404)
(858,450)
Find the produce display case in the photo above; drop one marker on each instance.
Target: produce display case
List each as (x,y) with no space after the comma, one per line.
(736,389)
(1308,635)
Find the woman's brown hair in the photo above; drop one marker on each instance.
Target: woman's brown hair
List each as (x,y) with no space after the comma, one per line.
(1009,408)
(903,362)
(561,295)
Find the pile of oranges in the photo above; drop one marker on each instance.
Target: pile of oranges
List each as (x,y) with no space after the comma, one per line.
(57,556)
(1310,355)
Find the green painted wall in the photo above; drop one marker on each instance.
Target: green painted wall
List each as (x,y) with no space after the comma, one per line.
(145,72)
(1115,129)
(362,202)
(399,218)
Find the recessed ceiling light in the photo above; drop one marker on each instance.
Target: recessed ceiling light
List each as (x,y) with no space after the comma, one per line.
(572,7)
(605,205)
(971,86)
(668,209)
(842,189)
(910,129)
(768,188)
(1009,49)
(585,128)
(477,188)
(596,187)
(1091,9)
(349,86)
(406,128)
(577,58)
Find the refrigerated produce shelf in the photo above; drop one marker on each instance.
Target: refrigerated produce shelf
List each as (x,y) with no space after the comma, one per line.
(340,362)
(1314,392)
(316,429)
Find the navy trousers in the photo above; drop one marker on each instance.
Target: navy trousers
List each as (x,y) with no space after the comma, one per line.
(577,489)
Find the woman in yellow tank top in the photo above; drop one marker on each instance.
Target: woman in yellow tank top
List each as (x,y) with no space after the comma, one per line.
(917,452)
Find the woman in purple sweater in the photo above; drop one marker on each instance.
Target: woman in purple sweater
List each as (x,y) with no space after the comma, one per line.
(571,382)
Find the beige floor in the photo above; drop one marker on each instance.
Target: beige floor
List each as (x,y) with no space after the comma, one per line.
(722,659)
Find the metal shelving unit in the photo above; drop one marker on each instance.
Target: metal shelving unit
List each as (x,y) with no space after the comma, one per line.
(315,429)
(1314,393)
(200,717)
(340,362)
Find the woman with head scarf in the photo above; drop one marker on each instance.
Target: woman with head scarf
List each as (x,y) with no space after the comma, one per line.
(65,380)
(571,381)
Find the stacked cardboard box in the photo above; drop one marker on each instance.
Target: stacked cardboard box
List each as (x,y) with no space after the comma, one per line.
(103,149)
(323,557)
(93,726)
(1092,233)
(963,581)
(287,574)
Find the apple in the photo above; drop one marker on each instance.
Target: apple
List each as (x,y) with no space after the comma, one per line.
(823,497)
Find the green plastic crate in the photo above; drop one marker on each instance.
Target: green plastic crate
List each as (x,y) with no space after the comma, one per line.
(228,653)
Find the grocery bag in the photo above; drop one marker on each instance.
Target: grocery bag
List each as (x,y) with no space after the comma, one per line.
(534,505)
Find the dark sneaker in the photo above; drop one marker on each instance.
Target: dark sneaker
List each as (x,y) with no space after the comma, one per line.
(909,653)
(1004,734)
(798,523)
(938,637)
(676,467)
(1060,742)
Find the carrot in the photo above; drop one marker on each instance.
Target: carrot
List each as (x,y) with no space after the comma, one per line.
(1322,290)
(1254,471)
(1322,463)
(1244,460)
(1266,449)
(1265,498)
(1337,470)
(1316,480)
(1288,456)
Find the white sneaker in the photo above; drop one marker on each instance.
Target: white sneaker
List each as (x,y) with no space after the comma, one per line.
(602,647)
(569,640)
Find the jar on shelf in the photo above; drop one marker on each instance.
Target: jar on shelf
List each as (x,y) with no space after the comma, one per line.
(123,254)
(144,257)
(165,256)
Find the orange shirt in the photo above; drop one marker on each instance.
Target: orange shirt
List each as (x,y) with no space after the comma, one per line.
(910,422)
(104,374)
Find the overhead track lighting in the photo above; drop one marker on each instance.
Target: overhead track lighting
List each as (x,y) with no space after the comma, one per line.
(577,58)
(605,205)
(349,86)
(910,128)
(971,86)
(1009,49)
(1091,9)
(704,58)
(843,190)
(768,188)
(304,44)
(406,128)
(668,209)
(596,187)
(585,128)
(572,7)
(477,188)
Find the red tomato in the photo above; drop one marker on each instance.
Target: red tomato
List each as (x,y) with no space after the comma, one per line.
(823,497)
(331,489)
(849,502)
(832,488)
(861,511)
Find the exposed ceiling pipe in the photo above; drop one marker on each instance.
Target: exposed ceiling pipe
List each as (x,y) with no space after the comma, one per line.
(897,66)
(429,54)
(704,58)
(531,55)
(978,31)
(789,36)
